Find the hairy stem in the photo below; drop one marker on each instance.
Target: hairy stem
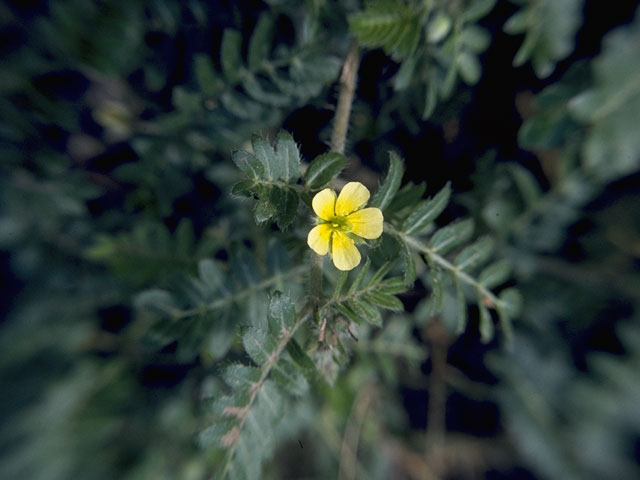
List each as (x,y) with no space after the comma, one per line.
(315,281)
(235,297)
(345,99)
(416,244)
(265,370)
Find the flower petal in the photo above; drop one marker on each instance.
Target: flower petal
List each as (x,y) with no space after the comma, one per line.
(352,196)
(345,254)
(324,204)
(366,223)
(318,239)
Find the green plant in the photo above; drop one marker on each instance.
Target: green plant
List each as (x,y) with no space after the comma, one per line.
(170,315)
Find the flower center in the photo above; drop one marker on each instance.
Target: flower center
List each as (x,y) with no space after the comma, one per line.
(340,224)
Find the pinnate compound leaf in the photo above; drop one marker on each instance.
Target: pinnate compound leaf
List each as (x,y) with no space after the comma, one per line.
(610,108)
(394,26)
(550,27)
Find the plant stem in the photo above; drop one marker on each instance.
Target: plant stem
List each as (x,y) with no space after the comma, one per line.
(349,451)
(315,281)
(439,341)
(345,99)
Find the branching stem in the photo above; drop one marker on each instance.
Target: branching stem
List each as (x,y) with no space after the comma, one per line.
(235,297)
(345,99)
(265,370)
(464,277)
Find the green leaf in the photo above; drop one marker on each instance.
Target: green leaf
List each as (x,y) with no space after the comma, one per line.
(392,286)
(526,183)
(383,197)
(408,196)
(186,101)
(427,212)
(462,307)
(391,25)
(379,274)
(265,209)
(155,300)
(258,344)
(290,378)
(402,79)
(260,42)
(285,205)
(430,99)
(475,39)
(475,254)
(323,169)
(185,237)
(211,275)
(244,188)
(219,338)
(610,108)
(470,68)
(550,27)
(495,274)
(348,313)
(439,27)
(477,9)
(289,157)
(340,282)
(248,164)
(241,106)
(267,157)
(230,51)
(209,82)
(486,324)
(408,262)
(451,236)
(264,94)
(511,302)
(384,300)
(365,311)
(505,324)
(519,22)
(244,266)
(238,376)
(303,360)
(355,285)
(282,314)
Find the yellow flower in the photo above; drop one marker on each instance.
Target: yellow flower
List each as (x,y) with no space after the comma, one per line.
(341,220)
